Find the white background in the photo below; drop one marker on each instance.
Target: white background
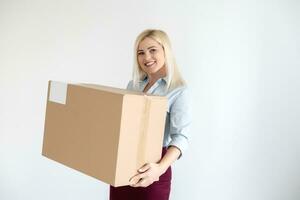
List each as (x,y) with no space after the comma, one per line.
(240,58)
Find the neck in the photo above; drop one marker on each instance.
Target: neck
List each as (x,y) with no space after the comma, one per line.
(157,75)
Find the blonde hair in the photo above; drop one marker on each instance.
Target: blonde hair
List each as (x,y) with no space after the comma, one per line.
(173,77)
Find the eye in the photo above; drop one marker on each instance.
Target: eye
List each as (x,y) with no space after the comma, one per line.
(140,53)
(152,50)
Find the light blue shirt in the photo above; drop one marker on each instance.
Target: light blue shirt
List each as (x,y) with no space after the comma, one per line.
(178,119)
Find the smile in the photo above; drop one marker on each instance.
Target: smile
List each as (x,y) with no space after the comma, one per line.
(149,64)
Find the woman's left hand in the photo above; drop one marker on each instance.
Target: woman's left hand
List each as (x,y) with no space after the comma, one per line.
(148,174)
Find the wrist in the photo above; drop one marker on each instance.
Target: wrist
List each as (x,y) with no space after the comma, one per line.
(163,167)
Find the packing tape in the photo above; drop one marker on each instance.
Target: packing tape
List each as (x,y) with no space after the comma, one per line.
(142,145)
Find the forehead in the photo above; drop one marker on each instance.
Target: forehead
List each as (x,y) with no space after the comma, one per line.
(148,42)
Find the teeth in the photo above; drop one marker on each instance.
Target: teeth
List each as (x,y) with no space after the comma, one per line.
(149,64)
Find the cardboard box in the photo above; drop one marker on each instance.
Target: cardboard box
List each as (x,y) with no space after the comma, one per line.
(104,132)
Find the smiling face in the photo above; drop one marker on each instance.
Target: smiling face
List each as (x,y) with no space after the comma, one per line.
(151,56)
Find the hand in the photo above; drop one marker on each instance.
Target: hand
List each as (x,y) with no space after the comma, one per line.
(148,174)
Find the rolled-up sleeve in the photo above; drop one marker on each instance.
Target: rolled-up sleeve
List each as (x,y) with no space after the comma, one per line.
(180,121)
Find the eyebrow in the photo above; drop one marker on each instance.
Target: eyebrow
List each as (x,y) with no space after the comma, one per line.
(148,48)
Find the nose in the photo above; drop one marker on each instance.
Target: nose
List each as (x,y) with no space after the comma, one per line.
(147,56)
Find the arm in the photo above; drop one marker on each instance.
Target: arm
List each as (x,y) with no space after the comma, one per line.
(180,120)
(169,158)
(151,172)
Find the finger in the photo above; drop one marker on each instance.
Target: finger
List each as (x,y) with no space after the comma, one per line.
(141,183)
(144,168)
(137,178)
(134,179)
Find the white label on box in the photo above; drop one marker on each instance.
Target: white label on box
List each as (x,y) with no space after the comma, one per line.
(58,92)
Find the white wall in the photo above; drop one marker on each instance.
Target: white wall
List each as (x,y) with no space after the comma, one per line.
(241,59)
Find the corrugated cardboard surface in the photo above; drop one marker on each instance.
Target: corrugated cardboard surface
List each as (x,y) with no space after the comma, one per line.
(104,132)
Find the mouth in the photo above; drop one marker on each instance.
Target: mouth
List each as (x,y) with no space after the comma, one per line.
(149,64)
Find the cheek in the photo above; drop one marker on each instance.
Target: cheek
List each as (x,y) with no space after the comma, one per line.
(140,64)
(162,59)
(139,59)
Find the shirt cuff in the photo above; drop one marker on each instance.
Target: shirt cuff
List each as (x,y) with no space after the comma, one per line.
(181,142)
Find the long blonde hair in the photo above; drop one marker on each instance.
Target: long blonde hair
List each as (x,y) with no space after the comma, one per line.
(173,77)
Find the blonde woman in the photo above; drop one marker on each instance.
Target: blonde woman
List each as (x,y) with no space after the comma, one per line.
(155,72)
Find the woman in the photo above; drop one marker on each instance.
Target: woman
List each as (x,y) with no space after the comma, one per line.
(155,72)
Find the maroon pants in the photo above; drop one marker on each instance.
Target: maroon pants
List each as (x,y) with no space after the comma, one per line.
(159,190)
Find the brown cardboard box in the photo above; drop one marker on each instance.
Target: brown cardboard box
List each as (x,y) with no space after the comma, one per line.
(104,132)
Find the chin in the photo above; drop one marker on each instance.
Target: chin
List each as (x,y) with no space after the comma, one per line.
(152,71)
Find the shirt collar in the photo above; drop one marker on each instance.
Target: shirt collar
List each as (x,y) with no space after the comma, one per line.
(159,83)
(145,79)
